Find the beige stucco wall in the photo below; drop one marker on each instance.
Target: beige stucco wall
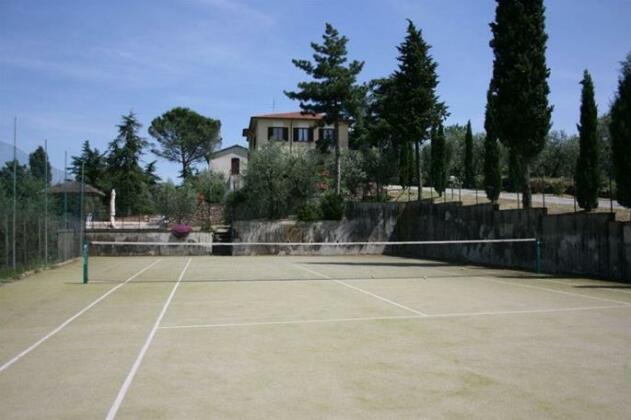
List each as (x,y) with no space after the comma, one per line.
(222,164)
(261,126)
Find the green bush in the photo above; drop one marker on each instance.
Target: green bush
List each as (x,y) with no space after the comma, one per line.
(235,201)
(211,186)
(276,182)
(555,186)
(309,212)
(176,204)
(332,207)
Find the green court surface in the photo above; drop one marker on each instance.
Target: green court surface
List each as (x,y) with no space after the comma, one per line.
(311,337)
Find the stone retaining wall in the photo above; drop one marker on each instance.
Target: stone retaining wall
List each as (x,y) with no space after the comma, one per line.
(578,243)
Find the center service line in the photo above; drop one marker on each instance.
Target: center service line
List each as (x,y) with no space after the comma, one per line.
(134,369)
(414,311)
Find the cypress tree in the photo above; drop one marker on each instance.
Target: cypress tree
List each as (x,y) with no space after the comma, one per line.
(514,170)
(520,83)
(492,174)
(587,176)
(620,130)
(439,164)
(469,172)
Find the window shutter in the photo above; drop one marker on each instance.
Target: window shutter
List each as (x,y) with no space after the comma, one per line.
(270,132)
(311,135)
(295,138)
(285,133)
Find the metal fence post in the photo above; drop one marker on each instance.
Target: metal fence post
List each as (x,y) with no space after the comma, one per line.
(65,189)
(15,181)
(85,261)
(46,202)
(543,190)
(610,193)
(538,256)
(6,240)
(81,222)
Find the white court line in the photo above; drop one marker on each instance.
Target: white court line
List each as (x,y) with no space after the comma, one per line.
(569,282)
(391,318)
(134,369)
(529,286)
(414,311)
(562,292)
(292,322)
(72,318)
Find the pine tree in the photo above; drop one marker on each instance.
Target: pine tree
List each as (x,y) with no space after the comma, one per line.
(492,174)
(333,90)
(439,164)
(587,176)
(520,82)
(124,170)
(469,172)
(40,165)
(406,165)
(185,137)
(620,130)
(415,83)
(379,133)
(94,166)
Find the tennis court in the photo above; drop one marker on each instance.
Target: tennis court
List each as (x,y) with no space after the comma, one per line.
(311,337)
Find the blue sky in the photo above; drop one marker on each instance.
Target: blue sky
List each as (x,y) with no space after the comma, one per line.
(70,69)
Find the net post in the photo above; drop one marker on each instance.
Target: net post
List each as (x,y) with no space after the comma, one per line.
(538,256)
(85,261)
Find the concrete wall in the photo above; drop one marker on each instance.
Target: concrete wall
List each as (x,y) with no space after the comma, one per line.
(350,230)
(148,236)
(582,244)
(68,244)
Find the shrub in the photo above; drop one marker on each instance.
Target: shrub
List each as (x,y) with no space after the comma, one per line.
(555,186)
(309,212)
(235,201)
(212,186)
(176,204)
(332,207)
(277,182)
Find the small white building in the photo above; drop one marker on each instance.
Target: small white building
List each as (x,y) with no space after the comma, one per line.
(231,162)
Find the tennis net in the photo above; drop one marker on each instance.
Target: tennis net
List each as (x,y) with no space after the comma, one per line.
(354,259)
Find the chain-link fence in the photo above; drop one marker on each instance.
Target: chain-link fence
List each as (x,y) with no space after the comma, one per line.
(37,228)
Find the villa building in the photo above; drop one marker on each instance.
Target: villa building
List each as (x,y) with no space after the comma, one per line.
(296,130)
(231,162)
